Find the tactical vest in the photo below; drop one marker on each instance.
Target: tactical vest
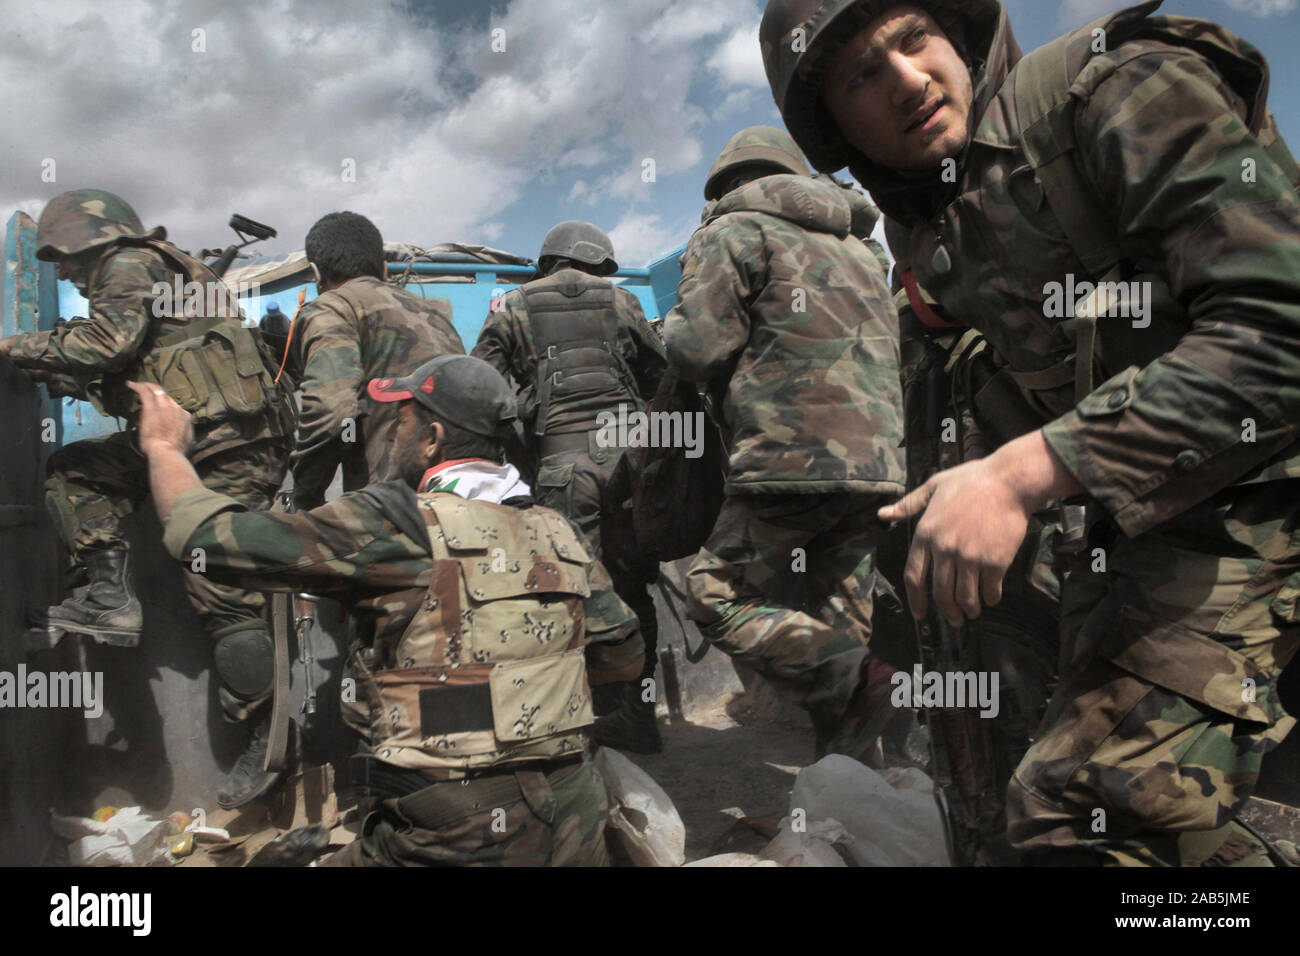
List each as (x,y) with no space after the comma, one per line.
(575,341)
(491,669)
(213,366)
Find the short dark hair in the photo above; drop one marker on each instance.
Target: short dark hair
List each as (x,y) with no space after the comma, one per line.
(345,245)
(457,442)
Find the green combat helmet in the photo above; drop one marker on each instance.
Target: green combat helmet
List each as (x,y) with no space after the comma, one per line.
(581,242)
(754,145)
(84,218)
(799,40)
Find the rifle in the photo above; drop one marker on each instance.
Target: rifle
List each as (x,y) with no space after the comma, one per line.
(241,225)
(300,610)
(961,745)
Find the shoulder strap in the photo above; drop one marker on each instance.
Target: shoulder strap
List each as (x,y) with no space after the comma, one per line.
(1045,114)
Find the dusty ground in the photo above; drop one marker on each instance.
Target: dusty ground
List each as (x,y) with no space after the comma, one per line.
(719,765)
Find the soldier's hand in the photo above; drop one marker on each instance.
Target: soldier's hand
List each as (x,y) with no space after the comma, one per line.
(973,520)
(971,527)
(7,343)
(163,423)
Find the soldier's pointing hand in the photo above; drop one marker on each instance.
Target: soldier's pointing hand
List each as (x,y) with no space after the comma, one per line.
(973,519)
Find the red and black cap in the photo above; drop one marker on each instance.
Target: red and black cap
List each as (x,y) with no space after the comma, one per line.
(459,389)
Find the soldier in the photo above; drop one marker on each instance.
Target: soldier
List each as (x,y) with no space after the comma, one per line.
(487,614)
(198,351)
(358,328)
(1137,153)
(577,345)
(785,316)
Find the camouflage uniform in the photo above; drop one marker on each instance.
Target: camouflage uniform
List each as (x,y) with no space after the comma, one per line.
(361,330)
(572,468)
(129,335)
(1182,609)
(372,550)
(785,315)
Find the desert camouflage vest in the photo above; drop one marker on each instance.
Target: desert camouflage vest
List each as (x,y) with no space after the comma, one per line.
(491,669)
(215,367)
(580,371)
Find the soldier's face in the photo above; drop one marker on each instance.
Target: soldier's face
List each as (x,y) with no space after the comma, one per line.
(415,450)
(75,269)
(899,92)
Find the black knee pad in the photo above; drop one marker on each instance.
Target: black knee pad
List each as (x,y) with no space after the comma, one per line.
(245,662)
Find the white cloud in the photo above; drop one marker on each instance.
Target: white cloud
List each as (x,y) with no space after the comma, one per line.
(1263,8)
(736,101)
(261,121)
(738,60)
(640,237)
(446,134)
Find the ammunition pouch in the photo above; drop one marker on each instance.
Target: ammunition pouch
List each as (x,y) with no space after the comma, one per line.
(219,375)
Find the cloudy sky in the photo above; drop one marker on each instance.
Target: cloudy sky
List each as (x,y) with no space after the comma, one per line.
(463,120)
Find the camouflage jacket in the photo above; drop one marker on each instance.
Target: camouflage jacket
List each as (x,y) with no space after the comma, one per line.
(507,344)
(371,551)
(786,316)
(363,329)
(1201,393)
(131,333)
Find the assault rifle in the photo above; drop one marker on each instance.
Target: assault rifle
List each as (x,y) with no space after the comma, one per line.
(296,614)
(961,743)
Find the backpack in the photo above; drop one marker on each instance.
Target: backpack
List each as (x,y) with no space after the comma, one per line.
(658,503)
(1045,98)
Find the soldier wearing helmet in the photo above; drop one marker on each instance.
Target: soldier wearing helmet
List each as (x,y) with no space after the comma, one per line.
(209,363)
(1162,400)
(577,345)
(783,314)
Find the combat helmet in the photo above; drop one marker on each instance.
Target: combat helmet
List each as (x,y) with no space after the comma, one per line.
(799,40)
(765,145)
(581,242)
(84,218)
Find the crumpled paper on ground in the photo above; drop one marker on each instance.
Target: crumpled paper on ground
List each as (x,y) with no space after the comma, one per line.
(128,837)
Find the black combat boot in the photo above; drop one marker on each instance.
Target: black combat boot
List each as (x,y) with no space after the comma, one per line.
(632,727)
(107,608)
(248,779)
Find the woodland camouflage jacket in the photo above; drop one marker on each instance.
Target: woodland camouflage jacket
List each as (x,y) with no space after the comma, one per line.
(786,315)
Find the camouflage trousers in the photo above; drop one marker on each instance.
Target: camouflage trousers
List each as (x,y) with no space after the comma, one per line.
(524,818)
(1172,643)
(93,484)
(573,483)
(785,583)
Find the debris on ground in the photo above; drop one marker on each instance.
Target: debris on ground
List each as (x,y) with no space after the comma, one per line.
(892,816)
(128,836)
(643,824)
